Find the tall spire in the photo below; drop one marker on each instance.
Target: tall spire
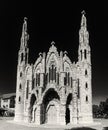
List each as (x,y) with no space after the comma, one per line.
(25,36)
(83,20)
(24,29)
(83,33)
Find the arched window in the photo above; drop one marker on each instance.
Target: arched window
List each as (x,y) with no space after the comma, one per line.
(20,86)
(20,74)
(85,54)
(21,57)
(86,85)
(68,78)
(52,73)
(19,99)
(85,72)
(57,78)
(78,89)
(71,82)
(65,79)
(81,54)
(86,98)
(27,89)
(37,79)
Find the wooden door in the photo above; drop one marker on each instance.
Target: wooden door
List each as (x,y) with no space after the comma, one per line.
(52,115)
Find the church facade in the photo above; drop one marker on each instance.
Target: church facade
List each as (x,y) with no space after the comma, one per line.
(54,90)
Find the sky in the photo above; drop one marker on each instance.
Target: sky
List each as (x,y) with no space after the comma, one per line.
(59,22)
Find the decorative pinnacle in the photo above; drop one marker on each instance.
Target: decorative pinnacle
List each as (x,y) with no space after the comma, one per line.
(25,19)
(40,53)
(83,12)
(65,52)
(52,43)
(83,20)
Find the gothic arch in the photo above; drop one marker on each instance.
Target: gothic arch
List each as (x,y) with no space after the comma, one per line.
(38,67)
(67,60)
(66,64)
(28,70)
(32,103)
(50,102)
(38,61)
(33,92)
(47,90)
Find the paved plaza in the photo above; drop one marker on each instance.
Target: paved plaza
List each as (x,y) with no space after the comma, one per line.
(7,123)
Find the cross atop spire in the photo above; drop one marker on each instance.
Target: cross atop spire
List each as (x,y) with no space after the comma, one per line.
(83,19)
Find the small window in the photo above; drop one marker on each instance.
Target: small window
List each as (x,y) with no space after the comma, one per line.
(85,54)
(27,89)
(86,85)
(26,58)
(20,86)
(81,54)
(21,57)
(86,98)
(85,72)
(19,99)
(20,74)
(37,92)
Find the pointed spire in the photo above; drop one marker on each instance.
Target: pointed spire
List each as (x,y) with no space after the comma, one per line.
(83,19)
(24,29)
(25,36)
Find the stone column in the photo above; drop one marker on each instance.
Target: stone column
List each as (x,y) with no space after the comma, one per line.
(38,115)
(63,100)
(70,108)
(41,85)
(75,103)
(62,114)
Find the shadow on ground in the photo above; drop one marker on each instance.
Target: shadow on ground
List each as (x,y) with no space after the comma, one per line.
(82,128)
(105,128)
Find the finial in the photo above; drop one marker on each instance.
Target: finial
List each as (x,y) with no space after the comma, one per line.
(25,19)
(83,20)
(83,12)
(52,43)
(40,53)
(65,52)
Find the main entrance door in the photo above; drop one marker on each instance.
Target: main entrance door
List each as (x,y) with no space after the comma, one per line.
(52,115)
(51,107)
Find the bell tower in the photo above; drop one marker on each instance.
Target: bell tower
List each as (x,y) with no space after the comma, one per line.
(84,61)
(22,62)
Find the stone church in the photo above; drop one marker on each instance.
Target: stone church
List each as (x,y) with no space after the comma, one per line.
(54,90)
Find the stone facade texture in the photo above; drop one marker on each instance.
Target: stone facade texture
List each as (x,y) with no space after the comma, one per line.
(54,90)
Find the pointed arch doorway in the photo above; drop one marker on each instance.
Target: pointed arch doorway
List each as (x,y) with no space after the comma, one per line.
(51,107)
(32,103)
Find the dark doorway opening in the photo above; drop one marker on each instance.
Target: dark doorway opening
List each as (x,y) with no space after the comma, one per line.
(68,103)
(51,95)
(67,115)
